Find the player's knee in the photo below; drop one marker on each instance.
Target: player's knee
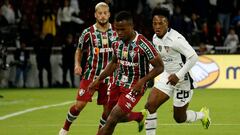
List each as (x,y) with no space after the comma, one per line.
(80,105)
(151,109)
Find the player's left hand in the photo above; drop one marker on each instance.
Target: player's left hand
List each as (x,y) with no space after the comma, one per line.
(173,79)
(137,89)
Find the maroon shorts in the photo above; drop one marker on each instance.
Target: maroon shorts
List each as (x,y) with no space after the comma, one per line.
(123,97)
(84,95)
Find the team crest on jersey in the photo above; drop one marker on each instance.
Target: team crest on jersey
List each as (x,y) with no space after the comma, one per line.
(132,54)
(112,38)
(81,92)
(167,48)
(160,48)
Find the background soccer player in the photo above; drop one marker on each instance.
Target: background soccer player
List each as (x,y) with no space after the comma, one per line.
(178,57)
(132,55)
(97,40)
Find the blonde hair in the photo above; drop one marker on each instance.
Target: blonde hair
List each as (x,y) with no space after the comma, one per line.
(101,4)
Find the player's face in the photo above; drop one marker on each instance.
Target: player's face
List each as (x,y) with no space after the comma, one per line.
(124,29)
(160,25)
(102,15)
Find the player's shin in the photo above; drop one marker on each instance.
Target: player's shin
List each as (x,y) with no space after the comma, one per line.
(102,121)
(136,116)
(151,124)
(71,116)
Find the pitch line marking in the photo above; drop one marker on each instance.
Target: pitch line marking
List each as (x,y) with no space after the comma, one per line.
(34,109)
(130,124)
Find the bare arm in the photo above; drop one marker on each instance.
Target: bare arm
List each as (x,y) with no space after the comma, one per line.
(78,60)
(158,67)
(109,69)
(106,72)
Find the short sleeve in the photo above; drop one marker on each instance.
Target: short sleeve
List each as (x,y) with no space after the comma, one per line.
(148,48)
(83,39)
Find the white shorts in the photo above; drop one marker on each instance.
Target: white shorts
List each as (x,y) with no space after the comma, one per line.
(181,96)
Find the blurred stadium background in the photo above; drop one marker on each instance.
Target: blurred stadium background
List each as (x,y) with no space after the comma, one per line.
(211,26)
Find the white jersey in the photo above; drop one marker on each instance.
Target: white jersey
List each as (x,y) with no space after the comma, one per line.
(174,50)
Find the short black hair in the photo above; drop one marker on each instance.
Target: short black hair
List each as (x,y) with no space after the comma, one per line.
(124,15)
(161,12)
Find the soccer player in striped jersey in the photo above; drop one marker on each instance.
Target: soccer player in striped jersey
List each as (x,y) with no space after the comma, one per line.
(132,55)
(178,57)
(97,41)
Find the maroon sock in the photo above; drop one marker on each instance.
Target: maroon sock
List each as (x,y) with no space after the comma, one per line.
(136,116)
(71,116)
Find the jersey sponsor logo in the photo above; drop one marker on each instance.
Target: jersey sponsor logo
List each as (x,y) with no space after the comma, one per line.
(130,97)
(96,50)
(127,63)
(148,51)
(167,59)
(205,72)
(104,50)
(128,105)
(81,92)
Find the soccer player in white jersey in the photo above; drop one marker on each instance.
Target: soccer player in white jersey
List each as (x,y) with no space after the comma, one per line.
(176,82)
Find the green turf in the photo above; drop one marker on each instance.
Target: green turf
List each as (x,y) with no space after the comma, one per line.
(224,106)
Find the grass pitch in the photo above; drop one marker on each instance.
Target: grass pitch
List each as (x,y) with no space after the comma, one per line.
(43,111)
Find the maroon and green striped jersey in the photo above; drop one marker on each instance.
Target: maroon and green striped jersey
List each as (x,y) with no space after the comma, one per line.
(99,49)
(133,59)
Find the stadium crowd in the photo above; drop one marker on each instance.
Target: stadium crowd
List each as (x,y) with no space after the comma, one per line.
(210,26)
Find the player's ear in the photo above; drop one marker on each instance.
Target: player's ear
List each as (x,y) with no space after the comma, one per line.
(95,15)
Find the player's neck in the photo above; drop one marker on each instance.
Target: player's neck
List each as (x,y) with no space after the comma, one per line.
(103,28)
(131,37)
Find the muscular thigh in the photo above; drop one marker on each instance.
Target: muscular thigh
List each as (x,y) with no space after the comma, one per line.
(102,94)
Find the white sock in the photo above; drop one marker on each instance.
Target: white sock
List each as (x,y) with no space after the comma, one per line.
(194,116)
(151,124)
